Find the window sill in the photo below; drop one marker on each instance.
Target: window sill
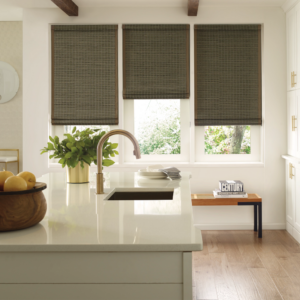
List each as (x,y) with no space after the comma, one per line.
(179,165)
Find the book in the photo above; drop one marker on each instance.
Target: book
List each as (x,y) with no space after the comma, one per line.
(219,192)
(229,196)
(231,186)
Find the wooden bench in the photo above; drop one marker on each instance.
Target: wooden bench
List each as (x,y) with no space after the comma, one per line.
(253,199)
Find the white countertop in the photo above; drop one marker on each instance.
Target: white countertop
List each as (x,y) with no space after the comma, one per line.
(79,220)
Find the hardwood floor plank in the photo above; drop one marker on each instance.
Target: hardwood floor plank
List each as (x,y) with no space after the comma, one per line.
(238,265)
(226,289)
(247,250)
(288,241)
(243,282)
(264,284)
(292,268)
(280,251)
(230,248)
(273,267)
(216,232)
(296,257)
(214,245)
(286,288)
(204,278)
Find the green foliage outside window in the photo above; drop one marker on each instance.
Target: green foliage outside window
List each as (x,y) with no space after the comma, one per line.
(227,140)
(157,135)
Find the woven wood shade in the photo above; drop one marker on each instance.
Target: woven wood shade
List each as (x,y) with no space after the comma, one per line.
(156,61)
(85,75)
(228,75)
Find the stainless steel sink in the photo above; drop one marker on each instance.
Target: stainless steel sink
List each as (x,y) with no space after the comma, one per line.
(140,194)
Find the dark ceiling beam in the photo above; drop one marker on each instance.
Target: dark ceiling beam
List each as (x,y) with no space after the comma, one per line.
(68,6)
(193,8)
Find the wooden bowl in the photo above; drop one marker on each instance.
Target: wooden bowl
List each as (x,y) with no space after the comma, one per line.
(20,210)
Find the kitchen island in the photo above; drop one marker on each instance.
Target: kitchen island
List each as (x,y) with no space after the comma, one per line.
(88,247)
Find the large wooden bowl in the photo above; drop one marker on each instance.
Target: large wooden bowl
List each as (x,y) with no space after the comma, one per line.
(20,210)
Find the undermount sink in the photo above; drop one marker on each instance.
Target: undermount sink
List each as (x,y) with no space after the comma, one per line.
(140,194)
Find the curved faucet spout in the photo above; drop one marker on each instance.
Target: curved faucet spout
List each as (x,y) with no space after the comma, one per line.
(136,152)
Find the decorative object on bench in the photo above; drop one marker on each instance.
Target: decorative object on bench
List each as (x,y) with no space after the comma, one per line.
(10,159)
(253,199)
(230,189)
(231,186)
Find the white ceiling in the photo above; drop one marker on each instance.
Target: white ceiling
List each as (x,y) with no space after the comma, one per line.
(141,3)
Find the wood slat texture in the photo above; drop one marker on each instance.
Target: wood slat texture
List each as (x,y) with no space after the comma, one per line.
(208,199)
(68,6)
(193,7)
(239,265)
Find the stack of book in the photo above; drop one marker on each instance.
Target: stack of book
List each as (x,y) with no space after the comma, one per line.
(230,189)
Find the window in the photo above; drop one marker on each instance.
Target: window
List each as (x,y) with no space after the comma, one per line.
(157,126)
(228,93)
(161,128)
(215,143)
(227,139)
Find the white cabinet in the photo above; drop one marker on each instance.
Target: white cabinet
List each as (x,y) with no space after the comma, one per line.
(291,35)
(291,117)
(290,194)
(297,200)
(293,198)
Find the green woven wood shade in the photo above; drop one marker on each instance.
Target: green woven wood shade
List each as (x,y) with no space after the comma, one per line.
(228,75)
(156,61)
(84,74)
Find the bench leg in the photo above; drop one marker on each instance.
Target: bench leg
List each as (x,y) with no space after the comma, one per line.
(255,217)
(260,220)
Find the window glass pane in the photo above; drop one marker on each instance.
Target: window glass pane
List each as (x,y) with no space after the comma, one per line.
(157,126)
(227,139)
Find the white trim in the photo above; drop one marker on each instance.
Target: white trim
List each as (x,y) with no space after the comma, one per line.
(291,158)
(241,226)
(289,4)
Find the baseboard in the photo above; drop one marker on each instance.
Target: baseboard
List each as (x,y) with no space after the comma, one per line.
(266,226)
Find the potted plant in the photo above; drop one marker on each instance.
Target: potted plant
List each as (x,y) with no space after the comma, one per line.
(78,150)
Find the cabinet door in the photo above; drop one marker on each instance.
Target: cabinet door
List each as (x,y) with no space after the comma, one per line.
(297,198)
(291,23)
(290,194)
(292,132)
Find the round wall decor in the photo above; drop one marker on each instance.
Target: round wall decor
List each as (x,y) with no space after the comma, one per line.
(9,82)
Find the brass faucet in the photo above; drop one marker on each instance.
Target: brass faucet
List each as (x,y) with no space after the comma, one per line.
(136,152)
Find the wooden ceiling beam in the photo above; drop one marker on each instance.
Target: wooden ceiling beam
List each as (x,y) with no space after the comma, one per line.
(68,6)
(193,7)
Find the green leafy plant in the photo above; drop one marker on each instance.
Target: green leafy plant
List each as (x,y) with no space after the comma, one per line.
(81,146)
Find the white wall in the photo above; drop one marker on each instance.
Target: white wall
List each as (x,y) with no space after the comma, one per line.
(266,179)
(11,130)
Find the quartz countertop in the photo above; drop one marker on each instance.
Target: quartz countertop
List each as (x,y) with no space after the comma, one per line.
(79,220)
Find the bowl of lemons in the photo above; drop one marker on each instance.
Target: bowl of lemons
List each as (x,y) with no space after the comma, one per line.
(22,202)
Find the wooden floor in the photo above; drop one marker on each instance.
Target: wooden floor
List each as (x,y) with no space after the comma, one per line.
(237,265)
